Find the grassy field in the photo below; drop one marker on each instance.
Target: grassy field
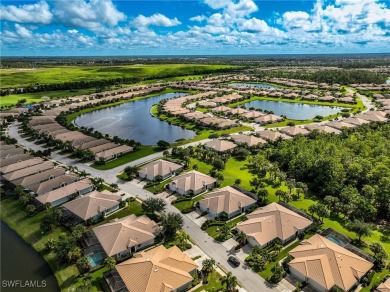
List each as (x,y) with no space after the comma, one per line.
(12,78)
(214,283)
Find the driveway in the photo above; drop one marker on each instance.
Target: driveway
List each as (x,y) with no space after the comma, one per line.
(196,217)
(246,278)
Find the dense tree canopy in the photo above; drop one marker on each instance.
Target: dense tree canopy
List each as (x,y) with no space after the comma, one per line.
(350,171)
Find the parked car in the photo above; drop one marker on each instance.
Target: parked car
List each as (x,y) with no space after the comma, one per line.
(234,261)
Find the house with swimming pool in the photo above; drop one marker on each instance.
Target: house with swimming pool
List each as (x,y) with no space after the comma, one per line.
(119,238)
(324,264)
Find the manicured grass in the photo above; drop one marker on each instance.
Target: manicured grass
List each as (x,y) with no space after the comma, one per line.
(214,233)
(29,229)
(268,269)
(96,279)
(133,207)
(187,204)
(377,279)
(214,283)
(141,152)
(157,188)
(12,78)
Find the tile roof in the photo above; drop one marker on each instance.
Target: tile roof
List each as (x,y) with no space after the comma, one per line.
(107,153)
(159,167)
(220,145)
(89,205)
(158,269)
(192,180)
(271,222)
(11,176)
(250,140)
(328,264)
(20,165)
(39,177)
(226,200)
(54,183)
(15,159)
(121,234)
(385,286)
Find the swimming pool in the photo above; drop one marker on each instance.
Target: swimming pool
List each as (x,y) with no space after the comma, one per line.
(336,240)
(95,259)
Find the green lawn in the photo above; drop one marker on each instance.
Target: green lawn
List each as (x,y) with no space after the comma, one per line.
(214,283)
(133,207)
(158,188)
(97,277)
(377,279)
(213,230)
(267,272)
(12,78)
(187,204)
(141,152)
(29,229)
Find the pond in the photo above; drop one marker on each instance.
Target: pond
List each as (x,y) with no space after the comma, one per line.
(259,85)
(294,111)
(19,261)
(132,120)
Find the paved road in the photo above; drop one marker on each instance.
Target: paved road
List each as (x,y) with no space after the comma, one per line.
(247,279)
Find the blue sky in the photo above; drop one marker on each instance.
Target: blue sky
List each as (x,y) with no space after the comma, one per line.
(202,27)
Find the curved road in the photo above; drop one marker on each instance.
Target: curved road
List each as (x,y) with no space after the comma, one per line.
(249,280)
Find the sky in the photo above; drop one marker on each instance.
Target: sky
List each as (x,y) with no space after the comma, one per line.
(193,27)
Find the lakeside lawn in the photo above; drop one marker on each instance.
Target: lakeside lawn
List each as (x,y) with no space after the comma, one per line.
(29,229)
(141,152)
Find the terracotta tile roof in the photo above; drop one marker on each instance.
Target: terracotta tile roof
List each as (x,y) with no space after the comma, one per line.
(52,184)
(121,234)
(328,264)
(355,121)
(250,140)
(11,152)
(93,143)
(65,191)
(11,176)
(385,286)
(226,200)
(272,135)
(159,167)
(268,118)
(89,205)
(20,165)
(15,159)
(192,180)
(114,151)
(271,222)
(294,130)
(220,145)
(322,128)
(102,147)
(158,269)
(339,125)
(39,177)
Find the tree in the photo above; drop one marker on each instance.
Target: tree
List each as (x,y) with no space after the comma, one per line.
(360,228)
(241,238)
(78,231)
(280,194)
(83,265)
(207,266)
(171,223)
(322,211)
(182,239)
(131,171)
(152,205)
(241,153)
(109,263)
(379,253)
(277,275)
(30,209)
(163,144)
(195,166)
(74,254)
(19,191)
(256,183)
(224,231)
(230,281)
(25,199)
(237,181)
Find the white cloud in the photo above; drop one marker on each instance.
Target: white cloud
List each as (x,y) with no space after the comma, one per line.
(198,18)
(93,15)
(156,19)
(254,25)
(28,13)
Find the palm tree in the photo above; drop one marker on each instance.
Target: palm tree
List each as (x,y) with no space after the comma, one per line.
(230,281)
(241,238)
(182,239)
(109,263)
(224,230)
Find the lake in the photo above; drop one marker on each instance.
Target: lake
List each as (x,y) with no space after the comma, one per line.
(132,120)
(19,261)
(294,111)
(259,85)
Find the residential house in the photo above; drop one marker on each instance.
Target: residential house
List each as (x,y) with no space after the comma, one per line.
(323,265)
(192,183)
(227,201)
(159,169)
(52,184)
(220,145)
(271,222)
(158,269)
(251,141)
(113,153)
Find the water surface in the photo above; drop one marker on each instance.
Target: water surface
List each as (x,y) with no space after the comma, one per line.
(19,261)
(132,120)
(294,111)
